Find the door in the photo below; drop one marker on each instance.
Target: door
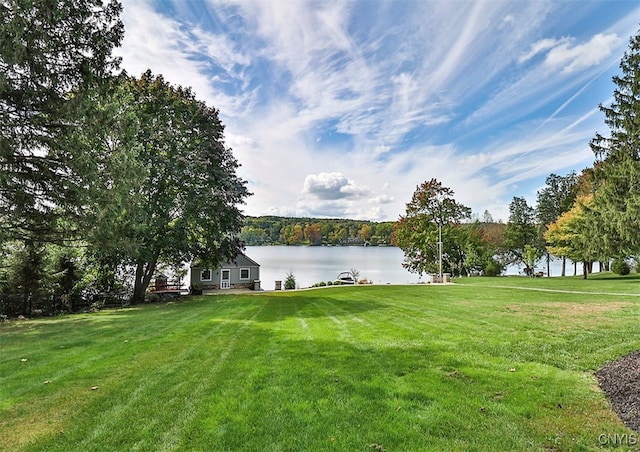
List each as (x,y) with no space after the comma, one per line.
(225,279)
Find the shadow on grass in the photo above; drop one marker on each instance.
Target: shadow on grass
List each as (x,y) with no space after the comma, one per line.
(311,306)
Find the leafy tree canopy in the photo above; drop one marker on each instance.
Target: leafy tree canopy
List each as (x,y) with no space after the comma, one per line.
(418,232)
(164,184)
(522,230)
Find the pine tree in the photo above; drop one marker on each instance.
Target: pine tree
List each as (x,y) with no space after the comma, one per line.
(617,171)
(48,49)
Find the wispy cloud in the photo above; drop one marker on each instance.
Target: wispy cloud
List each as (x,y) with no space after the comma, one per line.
(344,107)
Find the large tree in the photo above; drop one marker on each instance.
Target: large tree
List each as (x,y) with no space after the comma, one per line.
(431,217)
(618,172)
(47,49)
(165,185)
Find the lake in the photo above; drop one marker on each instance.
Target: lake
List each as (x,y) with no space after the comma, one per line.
(312,264)
(379,264)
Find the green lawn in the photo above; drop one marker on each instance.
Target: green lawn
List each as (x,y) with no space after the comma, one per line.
(485,364)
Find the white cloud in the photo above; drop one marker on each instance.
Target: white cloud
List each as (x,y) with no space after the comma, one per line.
(571,59)
(542,46)
(381,199)
(155,42)
(332,186)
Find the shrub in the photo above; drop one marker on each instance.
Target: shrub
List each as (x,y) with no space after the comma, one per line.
(493,268)
(620,267)
(290,282)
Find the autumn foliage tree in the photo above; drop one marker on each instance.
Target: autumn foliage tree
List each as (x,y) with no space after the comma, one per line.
(571,235)
(417,233)
(313,233)
(556,198)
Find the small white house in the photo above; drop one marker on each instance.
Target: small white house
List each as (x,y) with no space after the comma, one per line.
(241,273)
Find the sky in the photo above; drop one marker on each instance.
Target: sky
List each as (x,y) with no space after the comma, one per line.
(340,109)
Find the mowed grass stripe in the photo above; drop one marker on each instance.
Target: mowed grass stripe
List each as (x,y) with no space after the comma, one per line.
(461,367)
(183,373)
(125,373)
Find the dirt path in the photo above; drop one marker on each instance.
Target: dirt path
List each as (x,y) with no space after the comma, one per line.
(579,292)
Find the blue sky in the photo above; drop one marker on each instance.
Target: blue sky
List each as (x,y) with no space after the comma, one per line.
(341,108)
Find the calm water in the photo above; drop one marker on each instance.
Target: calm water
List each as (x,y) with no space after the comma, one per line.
(379,264)
(312,264)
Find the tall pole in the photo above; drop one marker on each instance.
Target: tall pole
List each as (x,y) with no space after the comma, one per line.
(440,252)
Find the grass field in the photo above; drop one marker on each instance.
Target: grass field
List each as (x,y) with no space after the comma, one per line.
(485,364)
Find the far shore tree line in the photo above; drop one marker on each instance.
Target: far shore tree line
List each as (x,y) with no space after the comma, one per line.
(108,179)
(274,230)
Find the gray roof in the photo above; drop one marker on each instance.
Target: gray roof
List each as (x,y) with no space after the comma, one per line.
(241,260)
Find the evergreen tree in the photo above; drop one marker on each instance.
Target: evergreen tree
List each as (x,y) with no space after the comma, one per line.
(617,172)
(48,48)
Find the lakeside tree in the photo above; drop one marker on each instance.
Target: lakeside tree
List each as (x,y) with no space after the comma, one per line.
(165,186)
(483,244)
(47,49)
(522,231)
(556,198)
(313,233)
(617,197)
(432,210)
(573,236)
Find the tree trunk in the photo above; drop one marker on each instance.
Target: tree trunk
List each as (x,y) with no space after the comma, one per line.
(564,265)
(548,265)
(585,270)
(144,273)
(575,269)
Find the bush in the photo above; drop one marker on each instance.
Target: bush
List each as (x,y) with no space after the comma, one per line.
(620,267)
(290,282)
(493,268)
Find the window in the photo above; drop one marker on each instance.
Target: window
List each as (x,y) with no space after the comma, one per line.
(244,273)
(205,274)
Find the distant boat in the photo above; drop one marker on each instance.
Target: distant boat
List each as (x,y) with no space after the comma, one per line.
(345,278)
